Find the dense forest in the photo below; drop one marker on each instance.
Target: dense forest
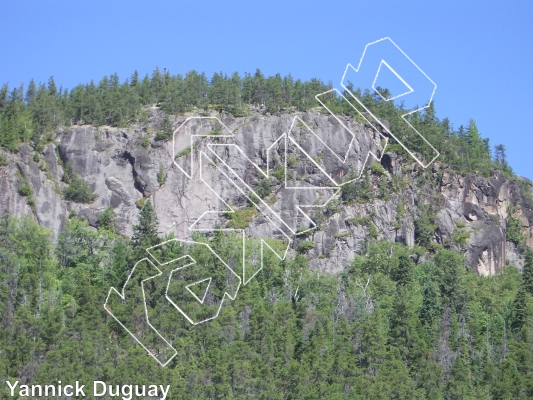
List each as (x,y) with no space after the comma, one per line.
(398,323)
(385,328)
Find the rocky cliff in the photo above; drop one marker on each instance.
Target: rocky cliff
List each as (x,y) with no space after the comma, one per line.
(126,166)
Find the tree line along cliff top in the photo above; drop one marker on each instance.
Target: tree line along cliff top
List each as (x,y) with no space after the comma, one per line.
(32,114)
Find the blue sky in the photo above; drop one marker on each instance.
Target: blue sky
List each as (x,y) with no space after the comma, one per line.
(479,53)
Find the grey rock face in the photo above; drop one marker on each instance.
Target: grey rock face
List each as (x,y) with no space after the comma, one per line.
(121,171)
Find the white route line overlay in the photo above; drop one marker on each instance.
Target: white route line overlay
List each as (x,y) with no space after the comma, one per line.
(286,137)
(232,210)
(123,298)
(411,91)
(262,202)
(201,280)
(188,287)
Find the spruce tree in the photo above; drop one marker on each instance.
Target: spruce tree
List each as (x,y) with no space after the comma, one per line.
(520,312)
(404,269)
(165,129)
(430,304)
(106,220)
(527,273)
(145,233)
(134,79)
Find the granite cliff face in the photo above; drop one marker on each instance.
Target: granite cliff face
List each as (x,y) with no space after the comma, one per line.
(124,166)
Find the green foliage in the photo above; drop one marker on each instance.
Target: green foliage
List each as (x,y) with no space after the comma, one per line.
(111,102)
(78,190)
(140,203)
(451,270)
(377,169)
(364,220)
(32,117)
(373,232)
(165,130)
(279,172)
(305,245)
(25,188)
(68,172)
(527,189)
(4,161)
(185,152)
(400,212)
(431,306)
(515,229)
(145,232)
(460,236)
(523,302)
(144,141)
(263,188)
(386,328)
(342,235)
(520,308)
(527,273)
(106,220)
(424,227)
(292,161)
(358,191)
(240,219)
(403,272)
(375,331)
(161,175)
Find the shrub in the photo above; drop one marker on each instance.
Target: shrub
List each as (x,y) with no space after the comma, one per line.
(377,168)
(360,220)
(292,161)
(359,191)
(79,191)
(514,229)
(161,175)
(67,173)
(144,141)
(185,152)
(165,130)
(263,188)
(140,203)
(342,235)
(460,237)
(373,232)
(25,188)
(305,245)
(106,220)
(279,172)
(26,191)
(240,219)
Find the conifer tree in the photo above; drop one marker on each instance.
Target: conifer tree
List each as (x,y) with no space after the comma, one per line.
(403,271)
(145,233)
(134,79)
(527,273)
(430,304)
(520,312)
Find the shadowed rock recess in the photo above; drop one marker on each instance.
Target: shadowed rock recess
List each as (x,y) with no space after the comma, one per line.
(467,213)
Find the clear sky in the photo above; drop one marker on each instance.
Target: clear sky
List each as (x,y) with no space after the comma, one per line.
(479,53)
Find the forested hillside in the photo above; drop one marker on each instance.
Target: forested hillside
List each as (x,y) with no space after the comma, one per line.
(400,321)
(386,328)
